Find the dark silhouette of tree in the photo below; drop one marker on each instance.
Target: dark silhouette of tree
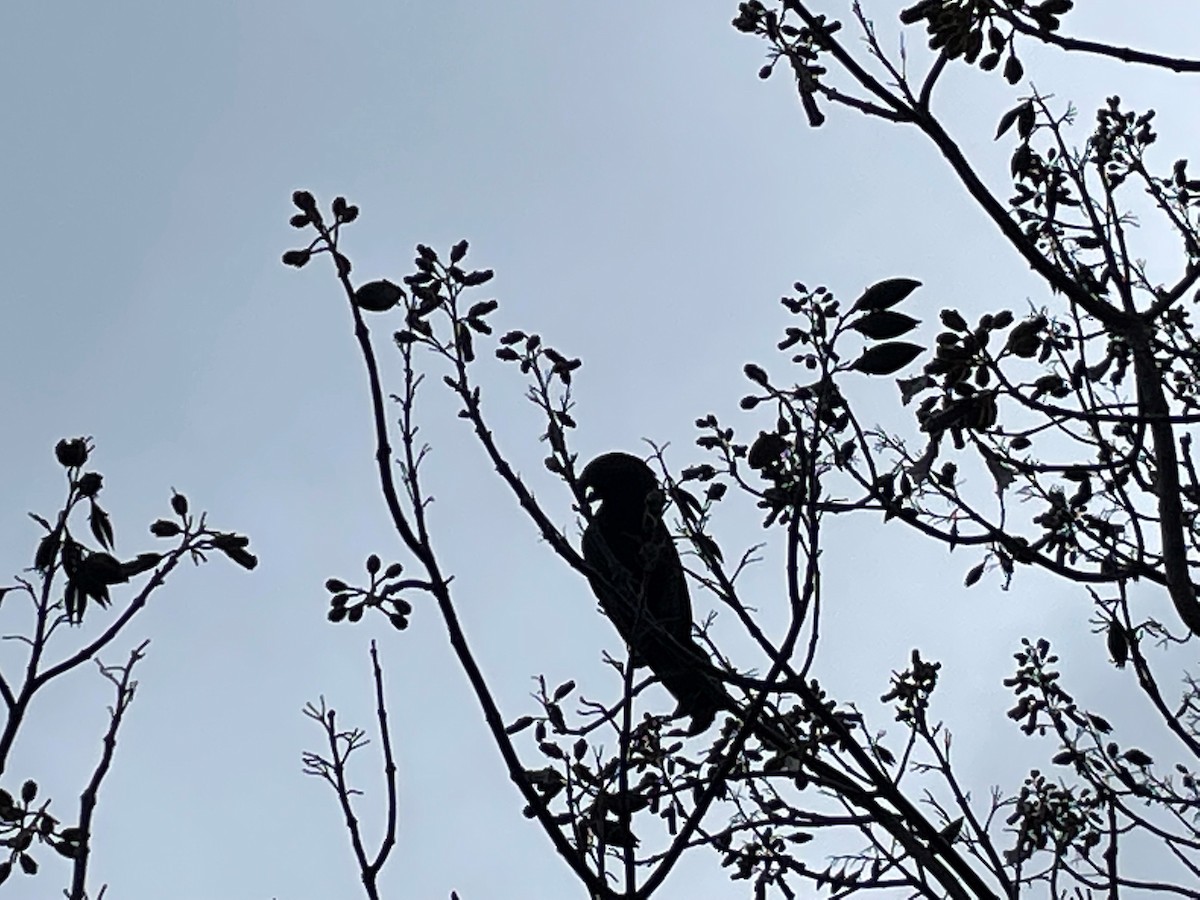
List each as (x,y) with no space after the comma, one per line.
(1080,409)
(71,568)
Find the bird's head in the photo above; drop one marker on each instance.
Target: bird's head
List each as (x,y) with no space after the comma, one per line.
(618,479)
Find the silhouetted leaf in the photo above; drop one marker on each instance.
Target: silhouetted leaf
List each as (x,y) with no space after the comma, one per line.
(755,374)
(481,276)
(1013,70)
(883,324)
(686,499)
(101,568)
(910,387)
(1137,757)
(562,690)
(71,453)
(885,359)
(306,203)
(72,602)
(47,551)
(974,575)
(1001,473)
(143,562)
(950,833)
(378,296)
(766,450)
(708,546)
(101,526)
(234,546)
(89,484)
(164,528)
(241,556)
(884,294)
(1118,644)
(1008,119)
(953,320)
(1024,340)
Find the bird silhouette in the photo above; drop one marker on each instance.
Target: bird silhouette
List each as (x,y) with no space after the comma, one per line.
(637,576)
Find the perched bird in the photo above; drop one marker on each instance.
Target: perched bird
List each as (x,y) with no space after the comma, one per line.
(639,580)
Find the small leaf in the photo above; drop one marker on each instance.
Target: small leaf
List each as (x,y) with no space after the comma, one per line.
(165,528)
(755,374)
(241,556)
(1013,70)
(482,309)
(142,563)
(1118,644)
(1137,757)
(886,359)
(1026,119)
(101,526)
(563,689)
(1007,120)
(305,202)
(476,278)
(883,324)
(378,296)
(708,547)
(885,294)
(71,453)
(47,551)
(520,725)
(102,568)
(953,320)
(1001,473)
(910,387)
(950,833)
(974,575)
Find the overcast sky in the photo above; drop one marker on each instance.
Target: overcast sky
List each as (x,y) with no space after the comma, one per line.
(644,200)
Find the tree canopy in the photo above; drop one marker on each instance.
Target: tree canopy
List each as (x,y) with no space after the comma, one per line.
(1074,411)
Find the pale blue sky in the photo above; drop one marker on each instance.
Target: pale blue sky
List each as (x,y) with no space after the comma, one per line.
(610,162)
